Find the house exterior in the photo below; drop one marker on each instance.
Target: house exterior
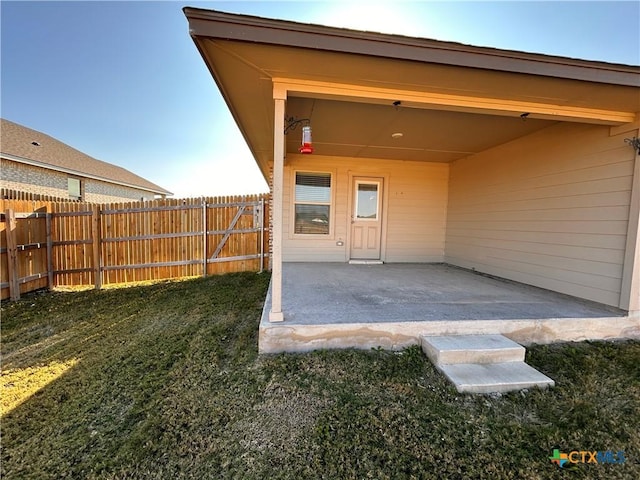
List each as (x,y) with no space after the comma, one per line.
(514,164)
(36,163)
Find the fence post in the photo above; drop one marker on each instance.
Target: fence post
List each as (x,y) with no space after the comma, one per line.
(261,234)
(204,237)
(49,251)
(12,254)
(97,254)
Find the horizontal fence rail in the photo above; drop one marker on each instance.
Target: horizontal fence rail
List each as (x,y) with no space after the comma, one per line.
(55,244)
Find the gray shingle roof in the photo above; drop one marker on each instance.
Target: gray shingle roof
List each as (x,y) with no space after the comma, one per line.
(27,144)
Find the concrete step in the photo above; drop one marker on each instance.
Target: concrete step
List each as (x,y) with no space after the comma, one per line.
(447,350)
(494,377)
(483,363)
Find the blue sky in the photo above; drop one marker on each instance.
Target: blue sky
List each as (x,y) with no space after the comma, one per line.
(124,83)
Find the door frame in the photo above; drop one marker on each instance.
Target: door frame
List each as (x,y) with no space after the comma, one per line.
(384,206)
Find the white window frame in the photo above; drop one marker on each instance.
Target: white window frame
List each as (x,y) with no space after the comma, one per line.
(330,204)
(378,184)
(80,195)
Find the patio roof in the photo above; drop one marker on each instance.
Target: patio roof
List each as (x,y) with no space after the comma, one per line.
(455,100)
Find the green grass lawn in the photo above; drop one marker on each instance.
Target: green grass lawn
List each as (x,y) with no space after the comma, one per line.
(164,381)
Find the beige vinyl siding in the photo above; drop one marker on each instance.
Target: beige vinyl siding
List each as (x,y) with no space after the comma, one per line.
(314,248)
(417,212)
(414,209)
(550,209)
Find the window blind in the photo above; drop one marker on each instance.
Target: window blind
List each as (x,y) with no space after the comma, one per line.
(313,187)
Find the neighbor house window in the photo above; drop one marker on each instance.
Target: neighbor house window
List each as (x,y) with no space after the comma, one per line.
(75,188)
(312,203)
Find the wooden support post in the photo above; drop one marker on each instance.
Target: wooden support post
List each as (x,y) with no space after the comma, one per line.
(630,289)
(276,314)
(97,254)
(12,254)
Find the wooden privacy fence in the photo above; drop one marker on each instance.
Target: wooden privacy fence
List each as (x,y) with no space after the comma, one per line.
(52,244)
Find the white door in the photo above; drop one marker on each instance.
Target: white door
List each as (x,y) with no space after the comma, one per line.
(366,219)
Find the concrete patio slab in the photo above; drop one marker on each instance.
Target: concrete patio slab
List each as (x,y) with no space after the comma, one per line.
(314,293)
(337,305)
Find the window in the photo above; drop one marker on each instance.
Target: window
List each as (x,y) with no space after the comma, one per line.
(312,203)
(75,188)
(367,201)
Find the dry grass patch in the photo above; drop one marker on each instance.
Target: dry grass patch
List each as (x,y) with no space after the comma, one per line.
(164,381)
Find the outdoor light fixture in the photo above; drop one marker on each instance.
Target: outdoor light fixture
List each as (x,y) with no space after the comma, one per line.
(291,123)
(634,142)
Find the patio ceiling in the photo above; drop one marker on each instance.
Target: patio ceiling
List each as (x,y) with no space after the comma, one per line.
(364,130)
(346,83)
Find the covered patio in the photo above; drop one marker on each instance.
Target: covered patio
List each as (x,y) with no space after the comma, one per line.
(427,155)
(337,305)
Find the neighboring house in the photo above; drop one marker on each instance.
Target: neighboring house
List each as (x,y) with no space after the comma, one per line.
(515,164)
(34,162)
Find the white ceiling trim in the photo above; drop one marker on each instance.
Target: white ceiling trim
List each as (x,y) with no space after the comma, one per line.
(284,87)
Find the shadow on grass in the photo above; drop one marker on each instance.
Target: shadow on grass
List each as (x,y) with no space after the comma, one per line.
(168,384)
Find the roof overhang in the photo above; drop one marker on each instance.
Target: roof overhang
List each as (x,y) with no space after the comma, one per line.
(455,99)
(245,28)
